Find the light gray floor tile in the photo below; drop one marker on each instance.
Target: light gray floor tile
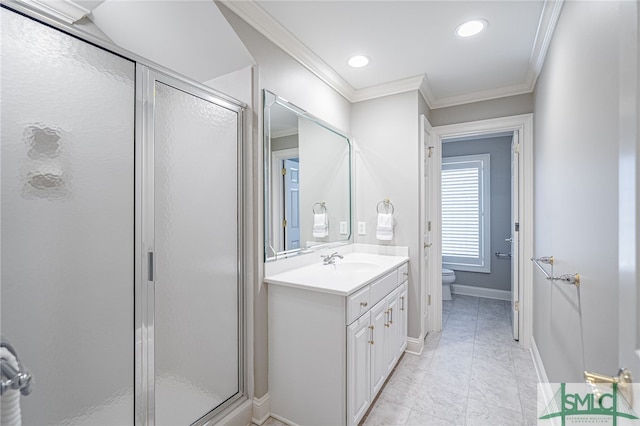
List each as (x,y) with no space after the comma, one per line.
(418,418)
(497,366)
(472,373)
(400,392)
(386,413)
(498,351)
(483,414)
(451,345)
(412,372)
(453,379)
(442,403)
(500,391)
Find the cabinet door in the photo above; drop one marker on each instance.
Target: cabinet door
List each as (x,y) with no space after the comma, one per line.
(391,331)
(378,359)
(401,318)
(359,344)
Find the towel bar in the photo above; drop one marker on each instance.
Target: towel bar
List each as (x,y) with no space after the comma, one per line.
(386,203)
(573,279)
(322,205)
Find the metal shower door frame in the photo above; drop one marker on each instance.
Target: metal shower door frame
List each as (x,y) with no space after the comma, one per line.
(146,72)
(146,78)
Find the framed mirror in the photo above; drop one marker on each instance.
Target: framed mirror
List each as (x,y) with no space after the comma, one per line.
(307,181)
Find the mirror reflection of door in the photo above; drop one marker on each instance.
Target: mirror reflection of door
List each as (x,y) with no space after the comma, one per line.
(291,184)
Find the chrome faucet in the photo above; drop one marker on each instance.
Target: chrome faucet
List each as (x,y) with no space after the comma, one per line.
(330,259)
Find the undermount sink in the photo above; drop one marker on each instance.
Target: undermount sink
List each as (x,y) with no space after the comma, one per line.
(353,266)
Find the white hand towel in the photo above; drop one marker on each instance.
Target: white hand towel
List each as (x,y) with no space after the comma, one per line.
(320,226)
(384,230)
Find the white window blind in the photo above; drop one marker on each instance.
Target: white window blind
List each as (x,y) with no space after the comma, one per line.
(465,213)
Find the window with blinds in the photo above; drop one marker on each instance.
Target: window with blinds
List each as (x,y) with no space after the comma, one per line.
(465,213)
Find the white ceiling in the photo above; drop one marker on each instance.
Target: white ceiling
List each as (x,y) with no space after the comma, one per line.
(189,37)
(411,44)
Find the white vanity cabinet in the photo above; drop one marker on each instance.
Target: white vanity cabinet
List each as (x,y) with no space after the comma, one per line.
(331,352)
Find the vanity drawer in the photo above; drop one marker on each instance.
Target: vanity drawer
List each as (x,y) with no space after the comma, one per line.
(358,304)
(383,286)
(403,273)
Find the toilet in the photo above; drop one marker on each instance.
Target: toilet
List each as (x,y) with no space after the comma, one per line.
(448,278)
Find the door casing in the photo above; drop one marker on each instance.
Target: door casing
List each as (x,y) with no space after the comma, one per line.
(524,125)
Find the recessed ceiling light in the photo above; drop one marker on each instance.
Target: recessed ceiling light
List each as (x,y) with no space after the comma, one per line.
(471,28)
(358,61)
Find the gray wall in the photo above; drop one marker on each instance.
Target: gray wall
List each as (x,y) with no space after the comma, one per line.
(501,107)
(500,150)
(386,133)
(576,192)
(284,76)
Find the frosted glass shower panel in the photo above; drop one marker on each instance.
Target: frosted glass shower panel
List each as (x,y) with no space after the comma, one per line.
(67,118)
(196,248)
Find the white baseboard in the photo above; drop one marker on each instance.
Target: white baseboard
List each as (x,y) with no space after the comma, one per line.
(415,346)
(261,409)
(488,293)
(537,362)
(543,379)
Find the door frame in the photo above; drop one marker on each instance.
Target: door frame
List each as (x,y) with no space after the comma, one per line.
(524,125)
(427,278)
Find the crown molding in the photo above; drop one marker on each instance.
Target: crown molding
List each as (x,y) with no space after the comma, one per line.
(391,88)
(484,95)
(65,10)
(264,23)
(426,92)
(546,27)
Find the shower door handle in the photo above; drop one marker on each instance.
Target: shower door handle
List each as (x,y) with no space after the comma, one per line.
(150,266)
(508,240)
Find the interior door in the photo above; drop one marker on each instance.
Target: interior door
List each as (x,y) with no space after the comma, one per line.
(427,153)
(515,235)
(291,179)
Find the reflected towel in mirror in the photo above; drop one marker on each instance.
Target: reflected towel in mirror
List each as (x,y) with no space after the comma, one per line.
(320,225)
(384,230)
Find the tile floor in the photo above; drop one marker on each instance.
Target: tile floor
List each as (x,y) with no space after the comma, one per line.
(472,373)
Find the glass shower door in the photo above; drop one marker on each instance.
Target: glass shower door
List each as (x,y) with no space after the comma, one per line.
(194,209)
(67,219)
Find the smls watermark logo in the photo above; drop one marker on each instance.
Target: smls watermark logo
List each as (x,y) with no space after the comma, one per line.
(580,403)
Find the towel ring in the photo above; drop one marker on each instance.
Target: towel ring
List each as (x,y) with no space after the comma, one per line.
(386,204)
(323,208)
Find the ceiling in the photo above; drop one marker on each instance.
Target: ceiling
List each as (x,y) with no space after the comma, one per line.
(411,44)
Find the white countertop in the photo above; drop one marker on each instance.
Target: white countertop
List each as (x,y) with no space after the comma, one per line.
(345,277)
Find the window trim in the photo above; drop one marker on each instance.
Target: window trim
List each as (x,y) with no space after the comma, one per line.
(483,262)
